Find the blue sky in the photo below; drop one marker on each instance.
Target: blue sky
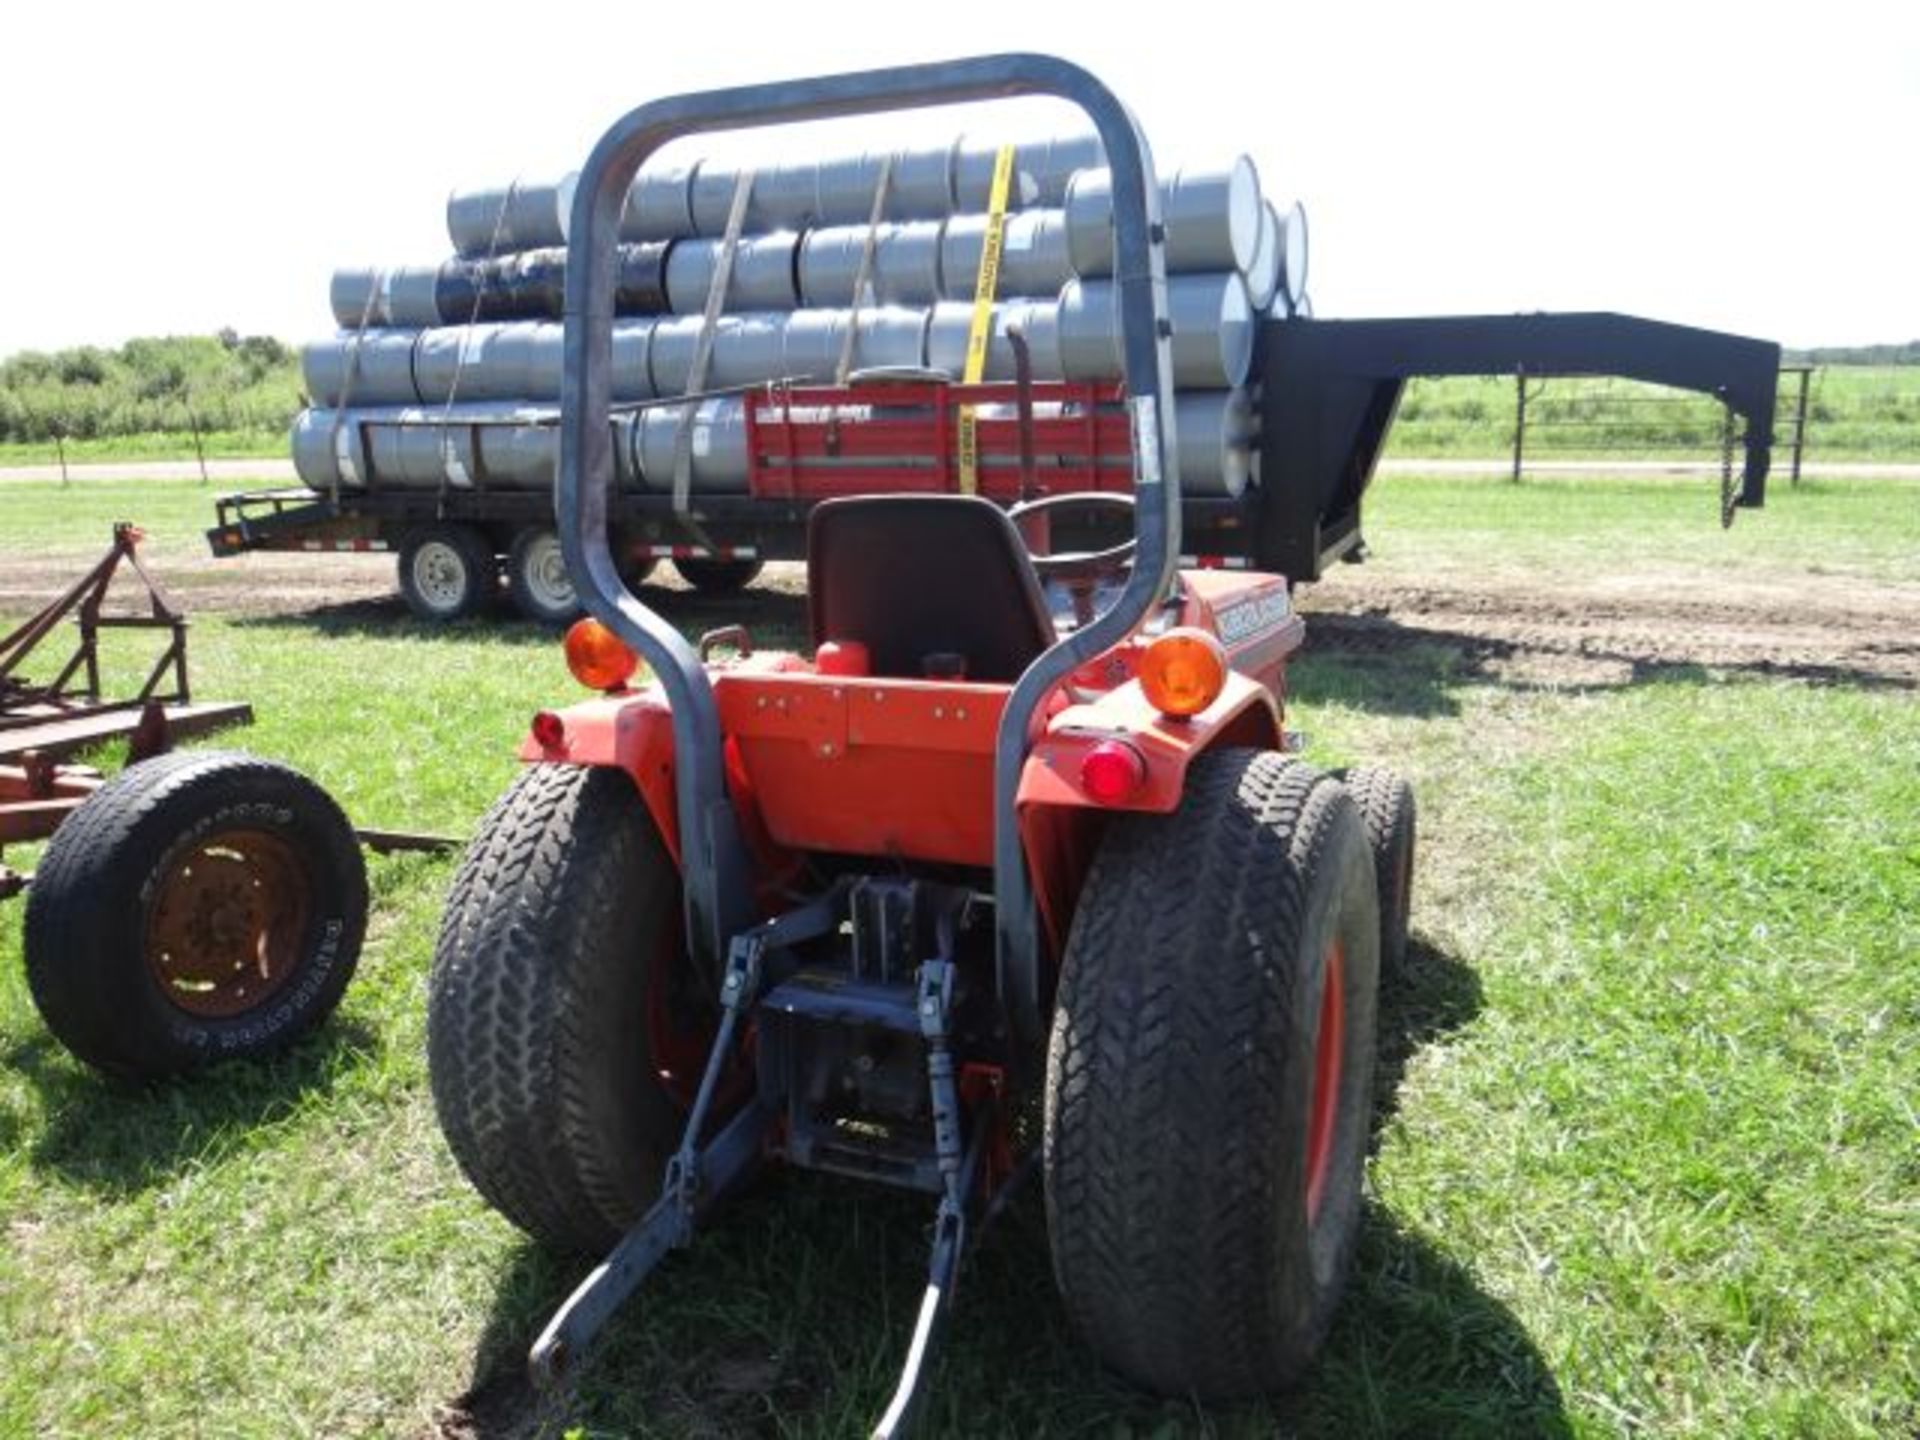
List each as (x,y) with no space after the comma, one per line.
(181,167)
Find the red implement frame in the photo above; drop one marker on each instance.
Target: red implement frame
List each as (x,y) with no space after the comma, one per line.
(893,437)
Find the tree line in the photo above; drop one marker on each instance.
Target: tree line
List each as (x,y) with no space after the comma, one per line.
(1900,354)
(223,382)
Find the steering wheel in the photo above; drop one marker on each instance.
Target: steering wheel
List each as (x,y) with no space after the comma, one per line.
(1079,564)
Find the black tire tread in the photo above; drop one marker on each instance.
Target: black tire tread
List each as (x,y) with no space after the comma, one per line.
(1387,806)
(87,879)
(536,956)
(1164,1076)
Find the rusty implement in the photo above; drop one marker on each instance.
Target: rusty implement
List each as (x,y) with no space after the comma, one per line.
(43,723)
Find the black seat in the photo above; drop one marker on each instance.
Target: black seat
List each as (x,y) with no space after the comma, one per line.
(919,576)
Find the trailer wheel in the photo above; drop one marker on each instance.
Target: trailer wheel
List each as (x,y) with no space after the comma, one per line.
(1386,804)
(447,571)
(718,577)
(549,1042)
(537,578)
(1208,1079)
(200,906)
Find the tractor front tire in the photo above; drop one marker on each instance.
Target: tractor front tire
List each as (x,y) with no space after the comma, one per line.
(1386,804)
(539,1046)
(202,905)
(1209,1079)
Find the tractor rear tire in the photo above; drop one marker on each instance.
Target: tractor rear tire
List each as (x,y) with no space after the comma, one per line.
(202,905)
(1386,804)
(1207,1097)
(718,577)
(539,1047)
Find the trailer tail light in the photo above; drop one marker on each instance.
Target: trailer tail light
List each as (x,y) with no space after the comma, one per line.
(1112,772)
(1183,672)
(549,730)
(598,658)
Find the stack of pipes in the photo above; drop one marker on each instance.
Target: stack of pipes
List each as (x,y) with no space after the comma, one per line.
(448,374)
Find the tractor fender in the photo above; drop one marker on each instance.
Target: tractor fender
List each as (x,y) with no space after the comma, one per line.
(630,731)
(1245,713)
(1061,825)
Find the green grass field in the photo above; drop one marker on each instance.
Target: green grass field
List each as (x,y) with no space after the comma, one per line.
(1648,1134)
(159,445)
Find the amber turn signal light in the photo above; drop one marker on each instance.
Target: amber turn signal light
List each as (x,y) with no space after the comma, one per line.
(1183,672)
(598,658)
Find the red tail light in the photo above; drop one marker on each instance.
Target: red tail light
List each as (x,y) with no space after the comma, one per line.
(1112,772)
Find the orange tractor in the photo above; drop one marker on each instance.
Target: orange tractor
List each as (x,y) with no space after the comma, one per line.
(1020,840)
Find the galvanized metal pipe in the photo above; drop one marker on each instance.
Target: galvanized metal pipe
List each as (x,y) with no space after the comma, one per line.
(1213,328)
(1293,258)
(507,447)
(501,219)
(950,324)
(1073,338)
(1034,258)
(527,286)
(1263,275)
(762,278)
(1212,215)
(906,263)
(668,202)
(518,360)
(512,446)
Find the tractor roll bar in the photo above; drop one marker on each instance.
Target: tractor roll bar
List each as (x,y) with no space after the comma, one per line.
(719,892)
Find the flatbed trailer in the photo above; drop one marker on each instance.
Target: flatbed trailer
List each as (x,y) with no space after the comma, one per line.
(1329,390)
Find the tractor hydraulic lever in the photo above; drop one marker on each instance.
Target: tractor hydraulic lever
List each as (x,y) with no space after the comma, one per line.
(959,1173)
(700,1175)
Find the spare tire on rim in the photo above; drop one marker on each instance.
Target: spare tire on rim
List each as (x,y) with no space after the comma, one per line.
(202,905)
(1209,1078)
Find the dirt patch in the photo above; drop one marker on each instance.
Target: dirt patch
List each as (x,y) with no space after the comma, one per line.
(246,585)
(1593,629)
(1611,630)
